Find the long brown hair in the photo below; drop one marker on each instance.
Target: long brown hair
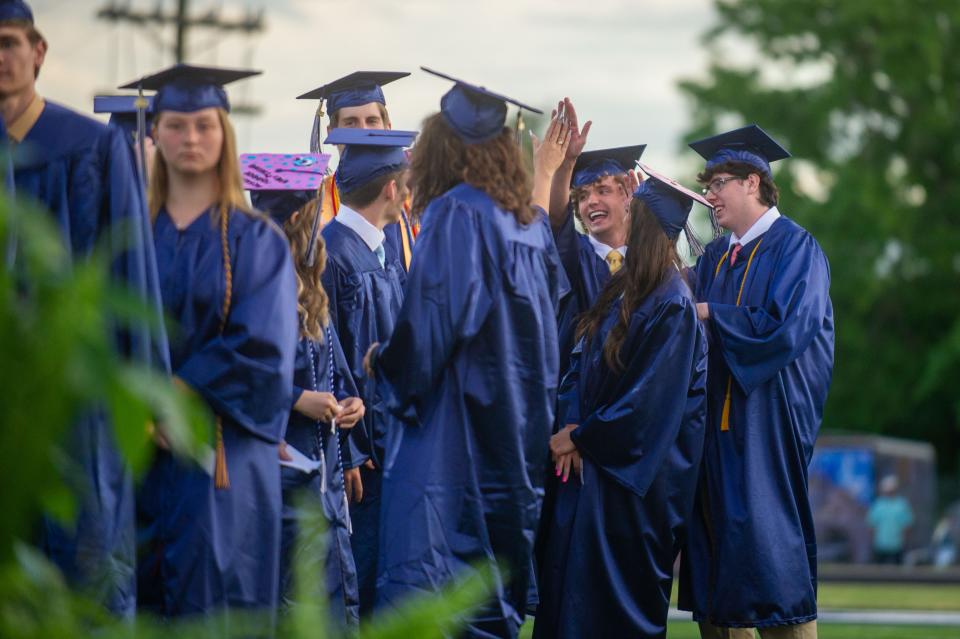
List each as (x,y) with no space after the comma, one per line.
(441,160)
(651,258)
(228,173)
(312,301)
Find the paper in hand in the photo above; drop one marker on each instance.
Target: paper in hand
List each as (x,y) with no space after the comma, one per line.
(300,462)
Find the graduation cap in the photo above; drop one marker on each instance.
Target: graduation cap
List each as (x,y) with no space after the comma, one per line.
(123,110)
(15,10)
(280,205)
(474,113)
(187,88)
(593,165)
(749,144)
(671,203)
(356,89)
(281,183)
(369,153)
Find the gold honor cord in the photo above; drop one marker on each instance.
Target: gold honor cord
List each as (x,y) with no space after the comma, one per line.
(221,479)
(725,415)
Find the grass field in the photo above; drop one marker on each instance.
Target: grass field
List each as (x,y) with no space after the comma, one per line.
(858,596)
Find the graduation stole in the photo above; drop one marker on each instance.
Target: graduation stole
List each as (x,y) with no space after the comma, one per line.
(725,414)
(221,479)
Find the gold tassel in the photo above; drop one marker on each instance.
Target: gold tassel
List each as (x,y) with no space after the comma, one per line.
(221,478)
(725,415)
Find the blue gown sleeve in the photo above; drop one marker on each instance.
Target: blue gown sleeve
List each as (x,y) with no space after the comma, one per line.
(446,301)
(134,263)
(246,373)
(630,437)
(569,394)
(343,383)
(758,341)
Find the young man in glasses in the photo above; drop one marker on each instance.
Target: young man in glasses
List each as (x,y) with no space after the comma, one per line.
(763,292)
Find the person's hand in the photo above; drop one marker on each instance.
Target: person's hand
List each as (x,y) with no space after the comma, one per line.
(703,311)
(353,485)
(320,406)
(569,462)
(283,453)
(352,411)
(155,432)
(368,359)
(550,153)
(560,443)
(578,137)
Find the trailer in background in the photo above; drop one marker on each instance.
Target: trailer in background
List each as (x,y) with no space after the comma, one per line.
(844,475)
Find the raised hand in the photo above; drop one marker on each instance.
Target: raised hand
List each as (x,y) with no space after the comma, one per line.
(578,136)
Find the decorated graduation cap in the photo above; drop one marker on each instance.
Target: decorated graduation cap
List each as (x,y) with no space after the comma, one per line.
(671,203)
(15,10)
(187,88)
(369,153)
(123,111)
(356,89)
(474,113)
(281,183)
(593,165)
(750,145)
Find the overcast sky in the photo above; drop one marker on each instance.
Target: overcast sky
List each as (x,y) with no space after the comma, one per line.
(619,61)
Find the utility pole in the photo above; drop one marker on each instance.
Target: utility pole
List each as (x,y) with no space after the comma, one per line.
(122,13)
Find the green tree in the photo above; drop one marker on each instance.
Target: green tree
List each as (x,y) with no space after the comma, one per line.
(865,96)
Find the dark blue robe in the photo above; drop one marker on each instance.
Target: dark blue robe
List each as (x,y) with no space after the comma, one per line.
(587,274)
(321,367)
(394,236)
(83,173)
(217,549)
(472,369)
(608,564)
(364,301)
(751,558)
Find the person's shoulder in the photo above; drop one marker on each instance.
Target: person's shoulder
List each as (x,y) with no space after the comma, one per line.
(70,123)
(254,225)
(792,237)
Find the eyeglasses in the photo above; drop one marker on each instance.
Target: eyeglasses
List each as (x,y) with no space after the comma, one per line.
(717,185)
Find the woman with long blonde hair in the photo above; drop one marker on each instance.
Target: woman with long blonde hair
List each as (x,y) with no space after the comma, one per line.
(229,286)
(325,406)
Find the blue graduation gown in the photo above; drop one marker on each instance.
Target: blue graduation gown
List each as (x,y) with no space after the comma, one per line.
(364,301)
(321,367)
(587,274)
(217,549)
(472,368)
(608,564)
(82,172)
(751,556)
(394,236)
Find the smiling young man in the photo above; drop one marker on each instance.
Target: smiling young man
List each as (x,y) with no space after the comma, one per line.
(763,293)
(597,187)
(82,172)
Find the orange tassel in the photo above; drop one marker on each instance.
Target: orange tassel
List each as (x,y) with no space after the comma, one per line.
(725,415)
(221,479)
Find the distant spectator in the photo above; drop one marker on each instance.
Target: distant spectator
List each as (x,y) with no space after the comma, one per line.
(889,516)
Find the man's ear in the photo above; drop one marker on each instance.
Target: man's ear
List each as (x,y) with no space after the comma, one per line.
(754,180)
(390,191)
(39,55)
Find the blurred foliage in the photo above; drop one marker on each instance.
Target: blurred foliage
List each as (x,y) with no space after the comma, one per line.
(56,340)
(864,95)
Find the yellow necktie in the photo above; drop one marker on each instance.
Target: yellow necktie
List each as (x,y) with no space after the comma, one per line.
(614,260)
